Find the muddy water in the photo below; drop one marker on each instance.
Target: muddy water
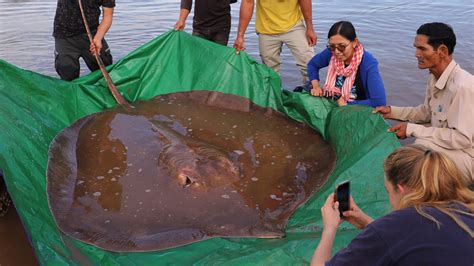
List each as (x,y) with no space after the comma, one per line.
(386,28)
(182,168)
(14,246)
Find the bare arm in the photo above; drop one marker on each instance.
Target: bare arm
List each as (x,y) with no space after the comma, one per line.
(307,11)
(246,12)
(104,26)
(418,114)
(181,23)
(323,252)
(186,6)
(331,221)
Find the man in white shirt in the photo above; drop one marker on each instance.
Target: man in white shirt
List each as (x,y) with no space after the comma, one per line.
(449,102)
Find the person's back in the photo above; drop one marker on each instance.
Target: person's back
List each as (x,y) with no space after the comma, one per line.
(408,238)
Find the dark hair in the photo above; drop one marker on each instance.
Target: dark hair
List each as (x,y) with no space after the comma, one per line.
(438,33)
(343,28)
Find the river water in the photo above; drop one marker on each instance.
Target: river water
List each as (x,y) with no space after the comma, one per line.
(385,27)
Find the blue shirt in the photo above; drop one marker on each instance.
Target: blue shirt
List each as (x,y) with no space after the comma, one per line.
(368,73)
(404,237)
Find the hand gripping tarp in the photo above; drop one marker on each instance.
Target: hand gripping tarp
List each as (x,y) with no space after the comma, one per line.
(34,108)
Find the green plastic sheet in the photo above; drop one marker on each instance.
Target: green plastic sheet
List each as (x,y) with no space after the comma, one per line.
(34,108)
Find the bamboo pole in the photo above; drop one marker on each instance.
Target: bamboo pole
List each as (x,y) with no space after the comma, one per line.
(118,97)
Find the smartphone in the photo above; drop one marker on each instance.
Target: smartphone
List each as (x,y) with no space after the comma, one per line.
(341,194)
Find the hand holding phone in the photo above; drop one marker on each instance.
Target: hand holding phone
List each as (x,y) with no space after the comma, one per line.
(341,194)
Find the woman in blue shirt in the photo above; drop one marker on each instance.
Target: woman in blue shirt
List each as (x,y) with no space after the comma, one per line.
(432,222)
(353,75)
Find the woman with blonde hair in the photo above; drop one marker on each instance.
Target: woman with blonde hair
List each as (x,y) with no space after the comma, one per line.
(432,222)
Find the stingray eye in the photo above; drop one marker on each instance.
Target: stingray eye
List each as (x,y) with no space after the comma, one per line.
(184,180)
(187,182)
(235,169)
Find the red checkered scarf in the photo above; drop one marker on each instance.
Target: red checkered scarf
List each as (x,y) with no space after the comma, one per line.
(336,68)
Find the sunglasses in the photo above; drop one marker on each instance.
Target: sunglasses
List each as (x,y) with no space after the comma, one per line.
(340,47)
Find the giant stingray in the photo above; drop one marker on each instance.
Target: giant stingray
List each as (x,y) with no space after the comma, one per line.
(181,168)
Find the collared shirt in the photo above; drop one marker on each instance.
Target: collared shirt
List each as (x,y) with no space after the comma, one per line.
(213,15)
(277,16)
(68,19)
(449,106)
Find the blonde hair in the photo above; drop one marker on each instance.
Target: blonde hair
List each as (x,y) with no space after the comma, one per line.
(432,180)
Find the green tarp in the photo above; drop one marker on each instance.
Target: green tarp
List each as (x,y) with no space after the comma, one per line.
(34,108)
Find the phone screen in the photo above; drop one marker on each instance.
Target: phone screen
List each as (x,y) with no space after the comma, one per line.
(342,196)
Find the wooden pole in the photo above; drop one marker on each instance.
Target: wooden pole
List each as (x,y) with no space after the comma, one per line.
(118,97)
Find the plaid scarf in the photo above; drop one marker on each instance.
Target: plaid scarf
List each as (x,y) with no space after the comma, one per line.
(336,68)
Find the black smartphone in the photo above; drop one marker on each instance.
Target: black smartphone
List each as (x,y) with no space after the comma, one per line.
(341,195)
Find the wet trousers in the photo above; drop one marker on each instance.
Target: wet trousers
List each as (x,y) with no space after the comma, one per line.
(69,50)
(220,36)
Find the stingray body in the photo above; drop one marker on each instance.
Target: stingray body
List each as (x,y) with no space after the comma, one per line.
(182,168)
(194,163)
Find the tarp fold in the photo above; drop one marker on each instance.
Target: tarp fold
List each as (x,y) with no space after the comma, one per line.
(34,108)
